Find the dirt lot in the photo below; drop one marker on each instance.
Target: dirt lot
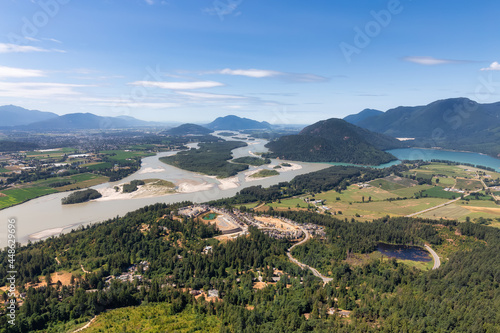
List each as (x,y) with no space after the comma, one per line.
(277,223)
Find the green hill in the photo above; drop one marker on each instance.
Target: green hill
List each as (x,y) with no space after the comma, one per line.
(236,123)
(334,140)
(188,129)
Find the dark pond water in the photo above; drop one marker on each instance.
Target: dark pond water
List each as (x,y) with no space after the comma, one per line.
(404,252)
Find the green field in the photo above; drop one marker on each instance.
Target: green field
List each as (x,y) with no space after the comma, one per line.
(98,166)
(41,187)
(4,170)
(468,184)
(386,185)
(285,203)
(410,191)
(18,195)
(117,155)
(154,317)
(439,192)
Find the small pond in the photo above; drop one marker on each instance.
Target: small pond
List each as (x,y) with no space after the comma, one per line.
(210,216)
(404,252)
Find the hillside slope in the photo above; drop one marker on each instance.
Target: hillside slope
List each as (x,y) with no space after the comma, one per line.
(334,140)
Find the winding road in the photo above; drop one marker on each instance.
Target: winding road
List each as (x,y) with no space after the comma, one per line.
(437,262)
(302,265)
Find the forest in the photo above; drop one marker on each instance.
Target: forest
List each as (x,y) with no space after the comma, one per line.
(382,295)
(81,196)
(210,159)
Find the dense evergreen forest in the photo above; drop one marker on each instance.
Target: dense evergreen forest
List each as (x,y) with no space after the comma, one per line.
(210,159)
(462,296)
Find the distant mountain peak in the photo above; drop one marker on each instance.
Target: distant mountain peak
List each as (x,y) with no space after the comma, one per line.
(232,122)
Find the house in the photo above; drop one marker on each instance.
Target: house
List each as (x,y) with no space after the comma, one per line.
(213,293)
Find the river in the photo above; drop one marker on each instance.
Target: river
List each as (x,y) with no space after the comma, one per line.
(46,216)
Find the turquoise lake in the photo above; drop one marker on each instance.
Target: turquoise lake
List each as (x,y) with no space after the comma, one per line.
(438,154)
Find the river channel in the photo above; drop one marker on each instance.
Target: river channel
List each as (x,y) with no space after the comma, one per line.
(45,216)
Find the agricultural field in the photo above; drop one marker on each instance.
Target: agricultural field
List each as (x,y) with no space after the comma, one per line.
(461,210)
(11,197)
(16,196)
(468,184)
(439,192)
(349,204)
(98,165)
(118,155)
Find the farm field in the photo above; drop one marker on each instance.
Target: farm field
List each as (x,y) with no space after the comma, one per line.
(468,184)
(11,197)
(18,195)
(117,155)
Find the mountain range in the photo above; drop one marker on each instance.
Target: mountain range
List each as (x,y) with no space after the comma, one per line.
(334,140)
(455,123)
(11,115)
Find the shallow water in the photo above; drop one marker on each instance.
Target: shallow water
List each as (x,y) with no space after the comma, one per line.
(404,252)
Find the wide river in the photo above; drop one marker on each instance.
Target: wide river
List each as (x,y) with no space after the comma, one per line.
(46,215)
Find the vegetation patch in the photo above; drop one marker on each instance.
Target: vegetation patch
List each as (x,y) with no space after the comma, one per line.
(210,159)
(132,186)
(154,317)
(81,196)
(250,160)
(265,173)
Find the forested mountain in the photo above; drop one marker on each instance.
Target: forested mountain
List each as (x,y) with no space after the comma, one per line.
(236,123)
(11,115)
(366,113)
(188,129)
(334,140)
(455,123)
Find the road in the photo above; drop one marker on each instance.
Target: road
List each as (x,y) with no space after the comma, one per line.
(302,265)
(437,262)
(86,325)
(435,207)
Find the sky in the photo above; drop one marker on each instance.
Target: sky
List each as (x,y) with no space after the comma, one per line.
(282,61)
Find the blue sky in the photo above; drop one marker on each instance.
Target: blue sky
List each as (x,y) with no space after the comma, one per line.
(290,61)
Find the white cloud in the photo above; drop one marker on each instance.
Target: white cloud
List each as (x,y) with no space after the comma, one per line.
(13,48)
(37,90)
(208,95)
(429,61)
(495,66)
(178,85)
(19,72)
(53,40)
(149,2)
(264,73)
(257,73)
